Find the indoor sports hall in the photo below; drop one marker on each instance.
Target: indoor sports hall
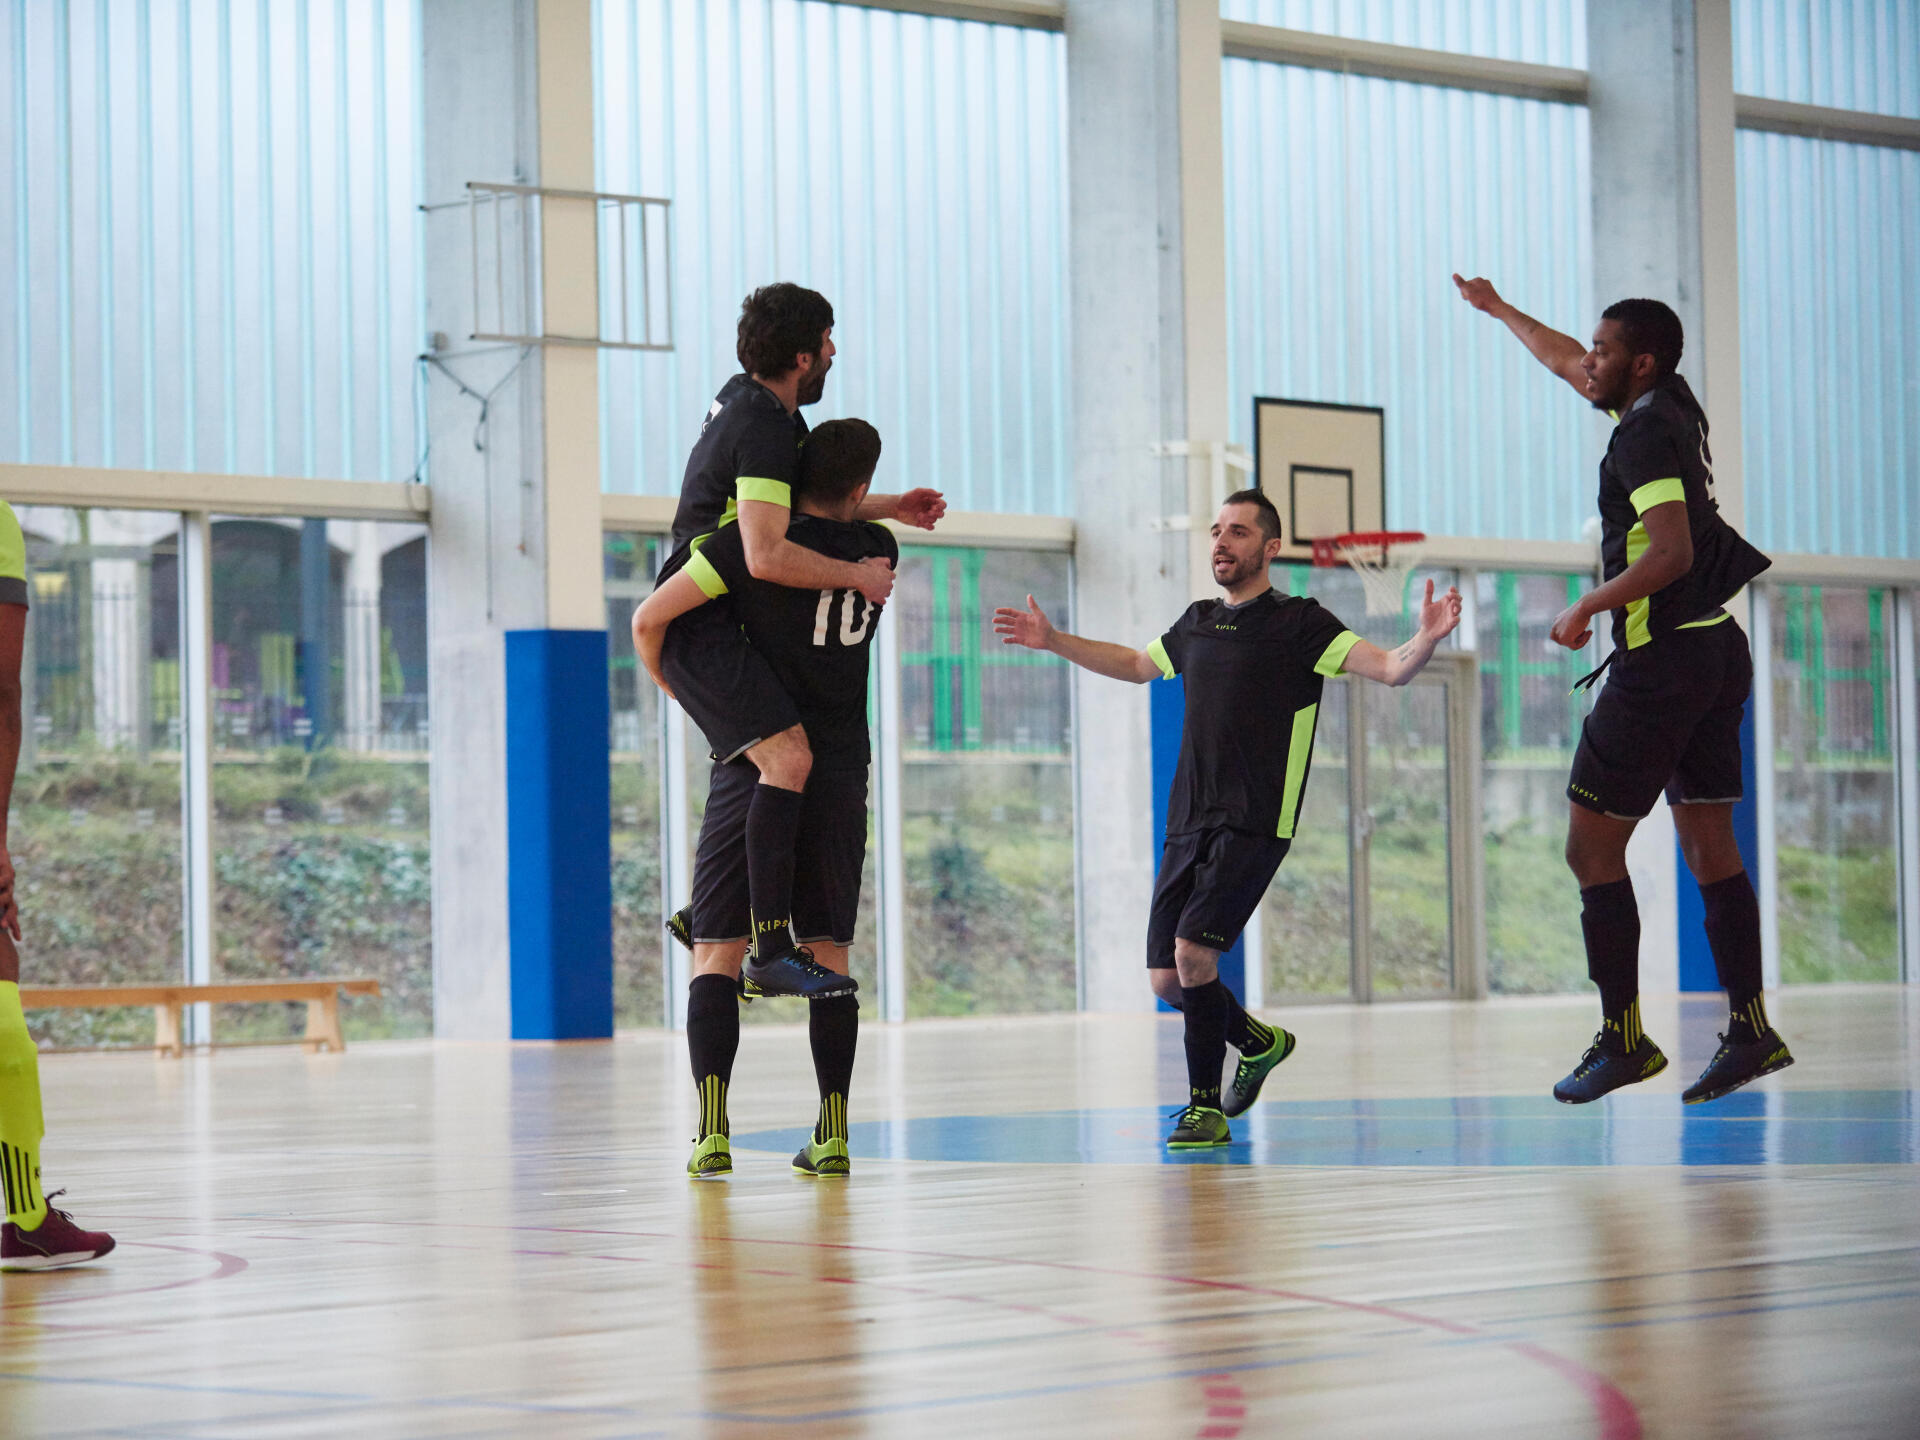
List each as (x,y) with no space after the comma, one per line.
(351,356)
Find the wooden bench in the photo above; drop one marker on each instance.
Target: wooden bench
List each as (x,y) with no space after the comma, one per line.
(322,997)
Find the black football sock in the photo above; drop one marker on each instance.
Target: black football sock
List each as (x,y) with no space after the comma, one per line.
(833,1025)
(713,1037)
(1610,921)
(773,828)
(1733,933)
(1205,1007)
(1246,1034)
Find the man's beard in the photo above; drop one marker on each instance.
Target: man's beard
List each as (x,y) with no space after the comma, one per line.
(1242,571)
(815,385)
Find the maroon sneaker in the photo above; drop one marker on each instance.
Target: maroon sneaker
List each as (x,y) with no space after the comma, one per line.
(55,1242)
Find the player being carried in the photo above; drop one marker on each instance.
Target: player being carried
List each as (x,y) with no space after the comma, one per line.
(1254,665)
(814,644)
(739,479)
(1669,715)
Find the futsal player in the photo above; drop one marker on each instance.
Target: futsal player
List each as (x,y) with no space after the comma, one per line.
(1677,682)
(1254,664)
(35,1236)
(741,474)
(815,645)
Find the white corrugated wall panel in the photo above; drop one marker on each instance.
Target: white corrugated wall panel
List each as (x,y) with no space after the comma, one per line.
(911,169)
(1350,202)
(1850,54)
(208,235)
(1829,308)
(1540,32)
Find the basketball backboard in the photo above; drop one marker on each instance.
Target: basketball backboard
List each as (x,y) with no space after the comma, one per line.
(1323,466)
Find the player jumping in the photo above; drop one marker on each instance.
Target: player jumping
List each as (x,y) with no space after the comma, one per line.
(1678,677)
(1254,663)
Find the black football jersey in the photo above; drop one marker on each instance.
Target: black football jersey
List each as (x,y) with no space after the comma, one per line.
(749,449)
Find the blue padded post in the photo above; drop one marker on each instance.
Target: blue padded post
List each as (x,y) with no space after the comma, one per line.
(559,852)
(1168,699)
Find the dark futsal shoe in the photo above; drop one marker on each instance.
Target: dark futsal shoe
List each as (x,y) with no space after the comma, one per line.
(1200,1127)
(796,973)
(1251,1073)
(824,1159)
(1736,1062)
(712,1158)
(1601,1070)
(54,1242)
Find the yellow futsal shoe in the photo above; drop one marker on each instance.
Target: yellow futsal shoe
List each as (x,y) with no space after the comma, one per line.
(712,1158)
(1200,1127)
(824,1159)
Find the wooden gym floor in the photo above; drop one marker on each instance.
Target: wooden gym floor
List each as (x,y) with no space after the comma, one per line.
(1408,1238)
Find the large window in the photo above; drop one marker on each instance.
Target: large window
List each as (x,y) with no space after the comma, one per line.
(635,743)
(207,225)
(1530,719)
(922,189)
(1835,798)
(319,723)
(1349,201)
(96,804)
(987,787)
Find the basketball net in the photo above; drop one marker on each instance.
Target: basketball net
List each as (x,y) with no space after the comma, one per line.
(1383,559)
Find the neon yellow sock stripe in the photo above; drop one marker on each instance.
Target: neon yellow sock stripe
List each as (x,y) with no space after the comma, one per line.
(21,1126)
(713,1106)
(833,1118)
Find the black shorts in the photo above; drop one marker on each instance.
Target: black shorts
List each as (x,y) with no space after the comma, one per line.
(1210,882)
(1667,718)
(723,682)
(827,864)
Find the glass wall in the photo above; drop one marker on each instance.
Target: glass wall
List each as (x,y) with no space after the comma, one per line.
(207,221)
(319,720)
(1349,202)
(1530,722)
(1307,916)
(1835,804)
(1543,32)
(927,202)
(96,803)
(634,744)
(987,787)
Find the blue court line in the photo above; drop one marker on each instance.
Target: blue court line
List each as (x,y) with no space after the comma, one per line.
(1751,1128)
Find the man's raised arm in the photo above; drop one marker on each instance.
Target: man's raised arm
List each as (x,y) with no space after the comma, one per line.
(1561,354)
(1031,628)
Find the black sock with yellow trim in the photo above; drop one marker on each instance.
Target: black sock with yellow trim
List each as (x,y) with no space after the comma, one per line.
(1244,1033)
(833,1026)
(1610,922)
(773,828)
(1733,934)
(1205,1008)
(713,1038)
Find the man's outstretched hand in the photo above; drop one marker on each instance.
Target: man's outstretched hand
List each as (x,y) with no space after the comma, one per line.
(1480,294)
(1439,617)
(1029,627)
(921,509)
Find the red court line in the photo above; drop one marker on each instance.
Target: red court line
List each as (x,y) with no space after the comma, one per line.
(228,1265)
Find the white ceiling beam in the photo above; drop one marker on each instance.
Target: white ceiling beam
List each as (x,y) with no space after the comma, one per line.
(217,494)
(1821,122)
(1402,62)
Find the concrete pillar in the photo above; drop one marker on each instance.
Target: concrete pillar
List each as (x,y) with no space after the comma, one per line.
(360,640)
(522,911)
(119,647)
(1149,366)
(1666,226)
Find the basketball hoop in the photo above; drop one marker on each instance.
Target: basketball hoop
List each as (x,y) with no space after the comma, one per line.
(1383,559)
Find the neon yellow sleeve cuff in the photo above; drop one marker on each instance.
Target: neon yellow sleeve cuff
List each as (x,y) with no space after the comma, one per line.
(1658,492)
(1158,651)
(13,545)
(1335,655)
(756,487)
(706,577)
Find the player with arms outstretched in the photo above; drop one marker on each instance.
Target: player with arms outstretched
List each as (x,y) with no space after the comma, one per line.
(741,474)
(815,643)
(1678,677)
(1254,664)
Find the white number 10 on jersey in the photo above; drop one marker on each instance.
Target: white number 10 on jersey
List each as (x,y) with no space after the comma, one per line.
(855,616)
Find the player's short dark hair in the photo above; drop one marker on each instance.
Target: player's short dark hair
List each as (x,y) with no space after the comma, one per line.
(1269,516)
(839,457)
(1651,328)
(778,323)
